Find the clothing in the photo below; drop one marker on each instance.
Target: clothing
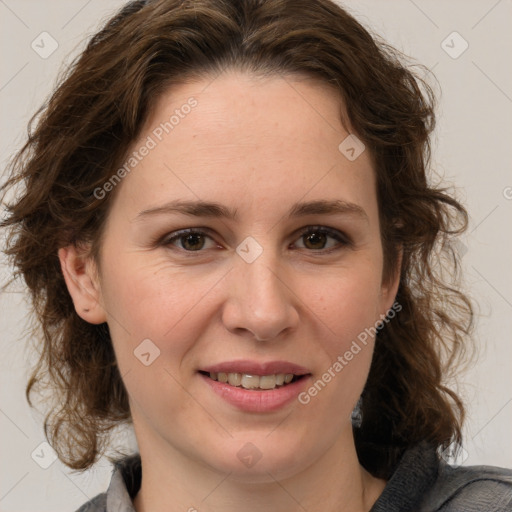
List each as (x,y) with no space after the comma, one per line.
(421,482)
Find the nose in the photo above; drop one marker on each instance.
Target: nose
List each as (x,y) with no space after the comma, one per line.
(260,303)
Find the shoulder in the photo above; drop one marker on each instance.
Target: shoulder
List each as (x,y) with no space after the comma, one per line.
(97,504)
(470,488)
(124,484)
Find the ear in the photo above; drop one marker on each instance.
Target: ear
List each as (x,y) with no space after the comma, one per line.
(81,276)
(389,287)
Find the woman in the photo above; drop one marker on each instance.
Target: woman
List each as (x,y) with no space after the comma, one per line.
(231,243)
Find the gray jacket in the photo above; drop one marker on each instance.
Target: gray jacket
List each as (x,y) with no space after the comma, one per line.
(421,482)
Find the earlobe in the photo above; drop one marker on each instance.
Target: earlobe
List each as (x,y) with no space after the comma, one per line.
(82,282)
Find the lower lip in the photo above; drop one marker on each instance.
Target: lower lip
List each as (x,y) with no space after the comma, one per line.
(257,400)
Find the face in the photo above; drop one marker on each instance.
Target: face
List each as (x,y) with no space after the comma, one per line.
(245,244)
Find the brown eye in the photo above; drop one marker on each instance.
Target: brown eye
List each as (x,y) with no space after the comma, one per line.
(315,240)
(189,240)
(322,239)
(192,241)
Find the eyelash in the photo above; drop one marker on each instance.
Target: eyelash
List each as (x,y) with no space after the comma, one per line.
(342,239)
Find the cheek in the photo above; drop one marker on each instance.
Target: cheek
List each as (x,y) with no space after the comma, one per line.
(136,291)
(348,310)
(153,321)
(346,302)
(153,301)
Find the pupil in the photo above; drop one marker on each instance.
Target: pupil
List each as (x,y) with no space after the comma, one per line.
(193,241)
(315,239)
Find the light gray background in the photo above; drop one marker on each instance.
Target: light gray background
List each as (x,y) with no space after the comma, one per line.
(472,151)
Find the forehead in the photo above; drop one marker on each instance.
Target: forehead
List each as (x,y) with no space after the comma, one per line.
(238,138)
(237,108)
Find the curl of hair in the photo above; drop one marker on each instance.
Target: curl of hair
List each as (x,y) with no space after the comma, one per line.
(85,130)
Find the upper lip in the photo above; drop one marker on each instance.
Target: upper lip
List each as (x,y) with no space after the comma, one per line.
(256,368)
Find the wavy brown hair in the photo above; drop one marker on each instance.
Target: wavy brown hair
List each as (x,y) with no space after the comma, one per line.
(83,132)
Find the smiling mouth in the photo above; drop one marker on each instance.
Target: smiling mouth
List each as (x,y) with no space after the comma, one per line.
(254,382)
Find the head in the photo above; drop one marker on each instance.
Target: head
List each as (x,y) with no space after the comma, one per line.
(234,118)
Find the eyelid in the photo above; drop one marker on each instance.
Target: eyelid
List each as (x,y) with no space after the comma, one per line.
(342,238)
(176,235)
(335,233)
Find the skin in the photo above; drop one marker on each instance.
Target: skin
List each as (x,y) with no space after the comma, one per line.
(257,145)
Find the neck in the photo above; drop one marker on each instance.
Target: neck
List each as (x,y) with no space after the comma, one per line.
(334,482)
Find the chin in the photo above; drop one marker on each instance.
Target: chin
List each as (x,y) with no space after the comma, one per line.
(260,459)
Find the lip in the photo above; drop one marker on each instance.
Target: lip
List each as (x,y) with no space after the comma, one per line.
(249,400)
(257,368)
(257,401)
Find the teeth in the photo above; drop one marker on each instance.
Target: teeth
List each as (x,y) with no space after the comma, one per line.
(248,381)
(268,382)
(235,379)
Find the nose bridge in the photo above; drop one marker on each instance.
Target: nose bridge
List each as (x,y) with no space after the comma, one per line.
(259,299)
(261,279)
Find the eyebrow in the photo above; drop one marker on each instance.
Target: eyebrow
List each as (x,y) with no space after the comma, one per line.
(217,210)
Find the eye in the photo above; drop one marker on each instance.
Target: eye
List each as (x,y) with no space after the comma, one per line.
(316,238)
(190,240)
